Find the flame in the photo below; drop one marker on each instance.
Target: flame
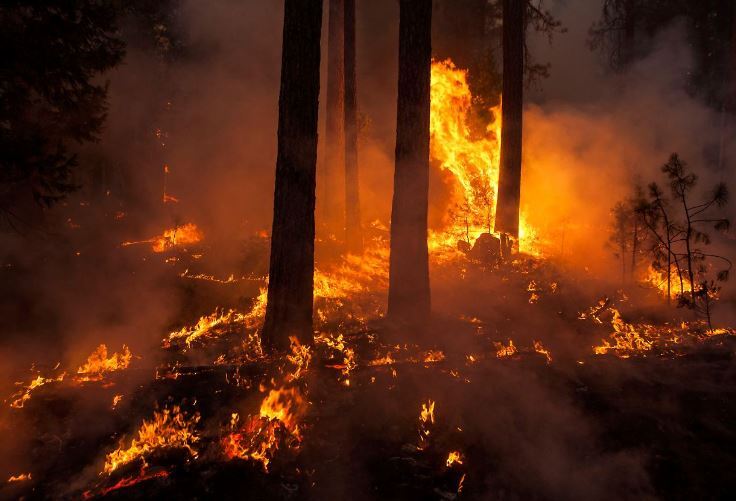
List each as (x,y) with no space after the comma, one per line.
(434,356)
(542,351)
(625,337)
(169,429)
(503,351)
(220,322)
(98,363)
(174,237)
(472,161)
(20,397)
(22,477)
(258,438)
(454,457)
(658,279)
(126,482)
(339,344)
(299,357)
(426,420)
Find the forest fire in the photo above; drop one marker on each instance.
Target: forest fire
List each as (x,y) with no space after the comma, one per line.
(386,294)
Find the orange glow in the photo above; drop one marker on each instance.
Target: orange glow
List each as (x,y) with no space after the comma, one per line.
(473,162)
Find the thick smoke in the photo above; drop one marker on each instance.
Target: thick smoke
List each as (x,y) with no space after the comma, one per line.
(589,136)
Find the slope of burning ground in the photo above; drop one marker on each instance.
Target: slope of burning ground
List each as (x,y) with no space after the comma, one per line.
(540,390)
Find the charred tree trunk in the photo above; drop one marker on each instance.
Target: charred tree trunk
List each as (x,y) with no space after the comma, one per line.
(509,180)
(353,228)
(291,272)
(408,295)
(334,134)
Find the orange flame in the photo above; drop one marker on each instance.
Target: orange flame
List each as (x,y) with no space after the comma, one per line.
(169,429)
(258,438)
(98,363)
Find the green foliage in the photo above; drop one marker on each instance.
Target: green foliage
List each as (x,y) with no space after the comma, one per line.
(51,56)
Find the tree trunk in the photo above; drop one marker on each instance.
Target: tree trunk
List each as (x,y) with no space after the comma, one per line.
(408,295)
(509,181)
(291,272)
(334,134)
(353,229)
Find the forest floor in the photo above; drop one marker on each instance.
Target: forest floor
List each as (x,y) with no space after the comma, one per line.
(503,396)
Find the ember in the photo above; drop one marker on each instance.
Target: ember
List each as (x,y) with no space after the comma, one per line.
(494,270)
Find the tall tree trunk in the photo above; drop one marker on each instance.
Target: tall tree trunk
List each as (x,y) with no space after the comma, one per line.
(291,272)
(408,294)
(509,181)
(334,119)
(353,229)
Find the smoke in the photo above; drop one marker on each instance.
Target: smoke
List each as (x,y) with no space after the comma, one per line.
(589,136)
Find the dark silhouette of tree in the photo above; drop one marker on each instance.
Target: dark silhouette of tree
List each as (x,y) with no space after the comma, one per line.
(509,180)
(676,228)
(334,117)
(408,295)
(291,270)
(517,16)
(628,233)
(353,227)
(51,98)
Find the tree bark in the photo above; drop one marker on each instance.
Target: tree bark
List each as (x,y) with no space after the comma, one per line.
(334,119)
(353,228)
(509,181)
(291,272)
(408,295)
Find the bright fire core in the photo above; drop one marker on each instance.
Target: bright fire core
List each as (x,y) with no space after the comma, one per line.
(472,158)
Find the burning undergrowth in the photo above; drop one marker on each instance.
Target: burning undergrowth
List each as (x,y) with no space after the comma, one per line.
(399,420)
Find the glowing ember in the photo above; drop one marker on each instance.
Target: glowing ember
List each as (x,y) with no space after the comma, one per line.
(98,363)
(169,429)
